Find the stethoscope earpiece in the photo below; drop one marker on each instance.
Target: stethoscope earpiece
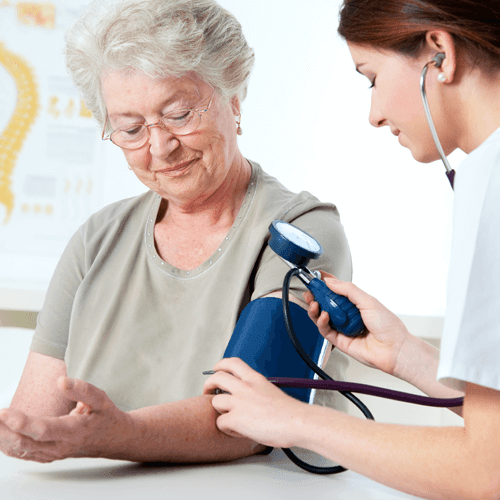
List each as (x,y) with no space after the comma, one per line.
(438,59)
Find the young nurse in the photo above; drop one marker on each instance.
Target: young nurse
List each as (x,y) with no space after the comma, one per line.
(390,42)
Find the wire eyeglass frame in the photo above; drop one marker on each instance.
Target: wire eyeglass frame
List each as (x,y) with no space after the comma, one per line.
(146,134)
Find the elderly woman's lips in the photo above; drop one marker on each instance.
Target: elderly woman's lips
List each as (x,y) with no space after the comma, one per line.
(177,169)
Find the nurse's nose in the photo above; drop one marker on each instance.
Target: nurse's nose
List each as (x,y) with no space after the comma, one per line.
(376,118)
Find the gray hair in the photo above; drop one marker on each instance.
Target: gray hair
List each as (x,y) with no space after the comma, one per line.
(159,38)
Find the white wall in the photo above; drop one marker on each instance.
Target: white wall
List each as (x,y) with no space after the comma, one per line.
(305,121)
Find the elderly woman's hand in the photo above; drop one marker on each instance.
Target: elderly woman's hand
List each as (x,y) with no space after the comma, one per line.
(382,346)
(95,427)
(254,407)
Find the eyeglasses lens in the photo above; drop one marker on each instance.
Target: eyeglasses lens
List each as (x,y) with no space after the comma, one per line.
(177,123)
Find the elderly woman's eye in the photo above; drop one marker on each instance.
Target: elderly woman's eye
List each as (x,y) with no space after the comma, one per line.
(178,117)
(130,133)
(133,131)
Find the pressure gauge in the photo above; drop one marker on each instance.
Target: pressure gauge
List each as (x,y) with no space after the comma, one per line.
(293,244)
(298,248)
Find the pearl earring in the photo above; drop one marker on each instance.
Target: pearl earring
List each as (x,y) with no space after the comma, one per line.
(441,77)
(238,130)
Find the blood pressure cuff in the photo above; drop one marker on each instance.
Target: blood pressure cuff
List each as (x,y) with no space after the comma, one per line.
(260,338)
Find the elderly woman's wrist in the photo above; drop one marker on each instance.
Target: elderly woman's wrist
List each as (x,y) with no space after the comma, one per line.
(123,442)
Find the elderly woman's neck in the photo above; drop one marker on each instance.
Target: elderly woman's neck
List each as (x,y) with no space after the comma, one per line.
(214,209)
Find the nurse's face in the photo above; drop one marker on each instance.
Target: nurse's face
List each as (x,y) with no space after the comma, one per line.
(396,100)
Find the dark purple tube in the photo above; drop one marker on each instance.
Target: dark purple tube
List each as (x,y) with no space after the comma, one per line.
(451,177)
(333,385)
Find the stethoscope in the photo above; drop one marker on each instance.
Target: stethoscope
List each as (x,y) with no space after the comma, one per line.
(436,61)
(296,248)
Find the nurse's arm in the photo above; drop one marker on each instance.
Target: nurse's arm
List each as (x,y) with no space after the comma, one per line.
(433,462)
(418,364)
(388,346)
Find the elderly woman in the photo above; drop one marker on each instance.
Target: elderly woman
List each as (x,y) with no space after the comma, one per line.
(149,289)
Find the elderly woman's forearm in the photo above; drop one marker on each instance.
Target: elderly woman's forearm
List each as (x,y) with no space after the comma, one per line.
(181,431)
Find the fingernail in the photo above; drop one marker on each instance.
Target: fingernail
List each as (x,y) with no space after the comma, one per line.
(335,280)
(208,372)
(85,410)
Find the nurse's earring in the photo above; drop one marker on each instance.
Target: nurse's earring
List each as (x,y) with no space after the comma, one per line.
(441,77)
(238,130)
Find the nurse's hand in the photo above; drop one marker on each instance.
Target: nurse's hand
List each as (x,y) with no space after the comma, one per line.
(93,428)
(382,346)
(254,407)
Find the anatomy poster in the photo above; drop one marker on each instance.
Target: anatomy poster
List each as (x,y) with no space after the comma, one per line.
(50,147)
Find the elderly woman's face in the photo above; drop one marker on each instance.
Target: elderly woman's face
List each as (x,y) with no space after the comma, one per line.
(188,168)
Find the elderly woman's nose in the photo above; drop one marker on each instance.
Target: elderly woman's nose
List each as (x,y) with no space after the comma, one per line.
(161,141)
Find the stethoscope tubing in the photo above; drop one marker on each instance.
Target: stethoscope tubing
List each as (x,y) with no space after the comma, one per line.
(435,61)
(370,390)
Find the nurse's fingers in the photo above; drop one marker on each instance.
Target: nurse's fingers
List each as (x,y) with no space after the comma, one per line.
(238,368)
(223,381)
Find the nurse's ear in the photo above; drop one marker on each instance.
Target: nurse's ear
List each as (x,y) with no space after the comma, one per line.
(442,41)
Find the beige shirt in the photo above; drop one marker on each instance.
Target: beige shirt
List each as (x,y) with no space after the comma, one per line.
(143,331)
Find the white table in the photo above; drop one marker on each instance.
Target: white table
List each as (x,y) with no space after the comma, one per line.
(254,478)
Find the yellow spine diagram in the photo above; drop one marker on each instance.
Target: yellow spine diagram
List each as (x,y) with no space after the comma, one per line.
(12,138)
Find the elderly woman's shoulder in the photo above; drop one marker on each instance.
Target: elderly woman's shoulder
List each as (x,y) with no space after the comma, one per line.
(276,196)
(134,210)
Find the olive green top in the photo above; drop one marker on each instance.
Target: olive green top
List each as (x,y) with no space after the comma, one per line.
(143,331)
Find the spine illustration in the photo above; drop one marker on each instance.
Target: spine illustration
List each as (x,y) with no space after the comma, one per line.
(12,138)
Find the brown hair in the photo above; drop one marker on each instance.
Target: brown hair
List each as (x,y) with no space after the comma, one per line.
(401,26)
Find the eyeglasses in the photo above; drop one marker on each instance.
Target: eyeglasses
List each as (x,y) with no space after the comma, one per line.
(135,135)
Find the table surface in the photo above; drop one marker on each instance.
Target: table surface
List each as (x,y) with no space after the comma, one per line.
(254,478)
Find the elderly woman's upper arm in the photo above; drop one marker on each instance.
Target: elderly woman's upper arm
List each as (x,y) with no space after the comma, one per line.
(37,392)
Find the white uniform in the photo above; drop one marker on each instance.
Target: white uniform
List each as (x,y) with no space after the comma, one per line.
(470,348)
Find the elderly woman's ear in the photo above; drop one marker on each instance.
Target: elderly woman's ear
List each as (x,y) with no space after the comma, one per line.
(236,105)
(236,108)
